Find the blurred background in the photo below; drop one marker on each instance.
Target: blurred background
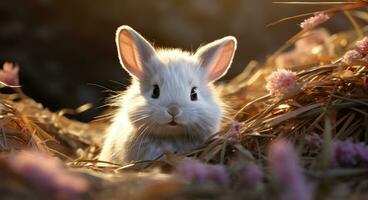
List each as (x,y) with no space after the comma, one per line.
(66,48)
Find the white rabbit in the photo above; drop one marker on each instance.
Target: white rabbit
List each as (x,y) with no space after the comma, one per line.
(171,103)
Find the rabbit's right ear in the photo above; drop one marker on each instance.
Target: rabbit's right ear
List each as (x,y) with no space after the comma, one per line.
(134,51)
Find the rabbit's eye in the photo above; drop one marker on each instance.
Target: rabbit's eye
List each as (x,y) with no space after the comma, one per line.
(155,92)
(193,94)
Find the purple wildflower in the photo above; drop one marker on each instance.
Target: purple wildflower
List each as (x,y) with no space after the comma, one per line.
(285,168)
(362,45)
(192,170)
(289,58)
(313,139)
(217,174)
(365,59)
(195,171)
(360,53)
(251,175)
(307,49)
(349,154)
(362,153)
(281,82)
(48,175)
(312,39)
(314,21)
(9,74)
(344,153)
(233,135)
(351,57)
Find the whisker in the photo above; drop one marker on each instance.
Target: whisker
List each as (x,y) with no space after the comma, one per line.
(119,83)
(103,87)
(140,118)
(146,132)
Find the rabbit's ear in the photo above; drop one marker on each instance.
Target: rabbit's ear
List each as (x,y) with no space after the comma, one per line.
(216,57)
(134,51)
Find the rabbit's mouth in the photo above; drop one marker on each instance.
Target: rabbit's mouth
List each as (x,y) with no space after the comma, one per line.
(172,123)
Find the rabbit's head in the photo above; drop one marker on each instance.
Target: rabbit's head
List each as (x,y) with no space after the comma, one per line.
(171,91)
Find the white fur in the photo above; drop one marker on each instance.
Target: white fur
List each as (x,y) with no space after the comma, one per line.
(140,129)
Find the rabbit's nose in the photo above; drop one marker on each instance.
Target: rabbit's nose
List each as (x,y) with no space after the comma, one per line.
(174,110)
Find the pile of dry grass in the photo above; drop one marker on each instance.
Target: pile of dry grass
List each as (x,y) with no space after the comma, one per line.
(26,124)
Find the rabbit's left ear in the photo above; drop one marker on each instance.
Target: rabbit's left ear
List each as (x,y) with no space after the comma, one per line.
(134,51)
(216,57)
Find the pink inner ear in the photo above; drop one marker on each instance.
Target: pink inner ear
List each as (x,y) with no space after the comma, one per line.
(129,54)
(221,62)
